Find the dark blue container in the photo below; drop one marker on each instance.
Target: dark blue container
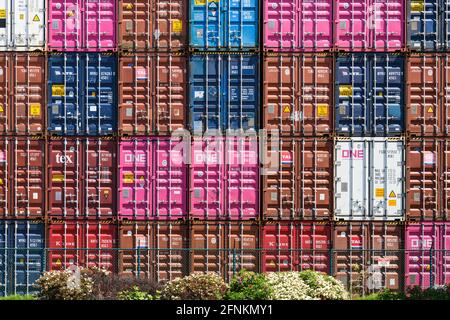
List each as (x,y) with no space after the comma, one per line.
(224,93)
(230,25)
(369,95)
(22,256)
(82,97)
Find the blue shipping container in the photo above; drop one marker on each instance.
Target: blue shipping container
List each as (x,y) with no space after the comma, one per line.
(82,97)
(231,24)
(224,92)
(21,256)
(369,95)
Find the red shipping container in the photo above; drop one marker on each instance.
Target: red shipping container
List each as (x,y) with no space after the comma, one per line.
(152,94)
(224,247)
(368,256)
(427,254)
(82,178)
(294,246)
(83,244)
(153,250)
(22,177)
(297,178)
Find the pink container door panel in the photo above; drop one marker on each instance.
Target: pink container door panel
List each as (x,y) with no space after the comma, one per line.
(388,29)
(350,24)
(169,184)
(242,178)
(279,24)
(64,24)
(135,174)
(206,179)
(100,25)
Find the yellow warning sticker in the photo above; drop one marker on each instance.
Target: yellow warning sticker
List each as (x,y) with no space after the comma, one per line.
(58,262)
(417,6)
(1,108)
(392,203)
(177,26)
(36,18)
(128,177)
(287,109)
(58,178)
(129,6)
(322,110)
(35,109)
(58,90)
(345,91)
(392,194)
(21,16)
(2,13)
(1,181)
(199,2)
(379,192)
(430,110)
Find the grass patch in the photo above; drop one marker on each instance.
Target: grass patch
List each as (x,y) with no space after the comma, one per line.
(19,297)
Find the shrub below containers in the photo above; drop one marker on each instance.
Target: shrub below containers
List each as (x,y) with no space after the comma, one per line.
(247,285)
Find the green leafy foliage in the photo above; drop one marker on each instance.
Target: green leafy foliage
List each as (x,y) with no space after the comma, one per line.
(134,294)
(247,285)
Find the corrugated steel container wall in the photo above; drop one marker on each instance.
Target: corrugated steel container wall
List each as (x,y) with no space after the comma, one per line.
(22,178)
(298,97)
(297,179)
(159,25)
(22,25)
(368,256)
(291,246)
(223,246)
(424,25)
(137,250)
(152,178)
(224,178)
(230,25)
(300,25)
(223,92)
(22,256)
(369,179)
(428,254)
(81,178)
(22,93)
(82,25)
(152,94)
(82,94)
(369,97)
(369,25)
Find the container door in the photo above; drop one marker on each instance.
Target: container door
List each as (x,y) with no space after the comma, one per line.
(444,255)
(4,261)
(279,244)
(445,25)
(424,25)
(100,95)
(314,244)
(280,21)
(239,87)
(135,25)
(350,190)
(66,26)
(313,25)
(352,24)
(207,244)
(445,86)
(242,18)
(387,24)
(100,241)
(65,96)
(5,85)
(135,174)
(5,24)
(206,23)
(171,22)
(66,238)
(100,25)
(28,26)
(5,163)
(445,178)
(206,93)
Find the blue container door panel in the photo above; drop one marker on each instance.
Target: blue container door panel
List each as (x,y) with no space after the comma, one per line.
(206,22)
(65,88)
(387,86)
(242,30)
(446,25)
(241,81)
(100,95)
(423,25)
(4,262)
(351,95)
(205,92)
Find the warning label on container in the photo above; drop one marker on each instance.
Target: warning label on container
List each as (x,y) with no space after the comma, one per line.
(417,6)
(129,6)
(58,178)
(392,203)
(392,194)
(200,2)
(345,91)
(36,18)
(2,13)
(287,109)
(128,177)
(58,90)
(35,109)
(177,25)
(430,110)
(1,108)
(379,192)
(322,110)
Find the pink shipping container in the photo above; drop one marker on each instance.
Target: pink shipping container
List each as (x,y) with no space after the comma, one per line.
(86,25)
(364,25)
(152,178)
(298,25)
(224,178)
(427,254)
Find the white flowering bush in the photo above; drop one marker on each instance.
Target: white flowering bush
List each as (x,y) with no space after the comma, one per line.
(323,287)
(64,285)
(288,286)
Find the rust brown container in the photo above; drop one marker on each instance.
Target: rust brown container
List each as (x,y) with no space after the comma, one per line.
(138,243)
(299,94)
(22,177)
(368,256)
(22,93)
(297,179)
(223,247)
(81,178)
(152,25)
(152,94)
